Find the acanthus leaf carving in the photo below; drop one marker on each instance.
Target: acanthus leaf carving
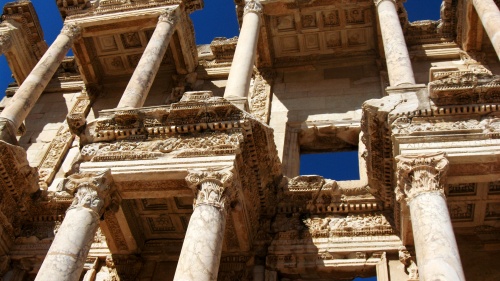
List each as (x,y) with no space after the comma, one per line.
(420,173)
(252,6)
(211,187)
(91,190)
(72,30)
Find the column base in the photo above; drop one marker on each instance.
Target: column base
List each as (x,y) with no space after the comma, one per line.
(239,102)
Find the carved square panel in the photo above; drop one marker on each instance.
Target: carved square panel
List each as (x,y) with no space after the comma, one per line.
(290,44)
(311,41)
(333,39)
(107,43)
(153,204)
(461,211)
(309,20)
(494,187)
(184,203)
(131,40)
(492,211)
(462,189)
(114,63)
(285,23)
(331,18)
(356,37)
(355,16)
(162,223)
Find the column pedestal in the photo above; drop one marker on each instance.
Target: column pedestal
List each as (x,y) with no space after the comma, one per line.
(202,248)
(490,17)
(238,82)
(421,185)
(396,53)
(145,72)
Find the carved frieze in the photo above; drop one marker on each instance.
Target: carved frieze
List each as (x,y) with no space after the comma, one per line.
(350,225)
(420,173)
(260,96)
(406,126)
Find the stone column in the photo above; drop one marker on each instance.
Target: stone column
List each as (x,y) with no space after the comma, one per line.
(145,72)
(238,82)
(201,251)
(28,93)
(490,17)
(421,181)
(66,256)
(396,52)
(5,42)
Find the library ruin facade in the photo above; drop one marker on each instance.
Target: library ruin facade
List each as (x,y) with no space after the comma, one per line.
(147,157)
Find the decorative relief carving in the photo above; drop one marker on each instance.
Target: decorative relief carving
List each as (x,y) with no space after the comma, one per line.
(212,187)
(404,125)
(72,30)
(169,15)
(462,189)
(350,225)
(461,211)
(420,173)
(180,146)
(494,187)
(261,95)
(90,190)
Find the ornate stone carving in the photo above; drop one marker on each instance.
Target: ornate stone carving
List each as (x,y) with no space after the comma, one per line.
(72,30)
(90,190)
(5,42)
(351,225)
(169,15)
(261,95)
(252,6)
(211,187)
(420,173)
(404,125)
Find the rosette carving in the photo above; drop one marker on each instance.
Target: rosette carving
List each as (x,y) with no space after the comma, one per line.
(211,187)
(420,173)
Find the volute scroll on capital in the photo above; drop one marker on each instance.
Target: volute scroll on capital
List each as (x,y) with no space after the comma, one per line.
(211,187)
(420,173)
(252,6)
(91,190)
(72,30)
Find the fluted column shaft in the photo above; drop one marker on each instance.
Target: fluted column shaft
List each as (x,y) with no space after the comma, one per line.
(490,17)
(145,72)
(28,93)
(421,185)
(238,82)
(66,256)
(202,247)
(396,53)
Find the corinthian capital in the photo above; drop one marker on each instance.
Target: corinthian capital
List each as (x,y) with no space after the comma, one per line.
(420,173)
(168,15)
(211,187)
(5,42)
(72,30)
(90,190)
(252,6)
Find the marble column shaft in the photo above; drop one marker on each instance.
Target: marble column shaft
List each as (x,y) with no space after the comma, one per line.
(202,247)
(68,252)
(66,256)
(421,185)
(396,53)
(145,72)
(28,93)
(490,17)
(238,82)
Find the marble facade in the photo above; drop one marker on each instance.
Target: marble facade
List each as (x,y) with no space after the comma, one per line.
(147,157)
